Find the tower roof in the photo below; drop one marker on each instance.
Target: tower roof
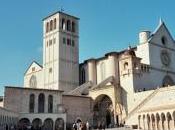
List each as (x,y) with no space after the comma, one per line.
(60,12)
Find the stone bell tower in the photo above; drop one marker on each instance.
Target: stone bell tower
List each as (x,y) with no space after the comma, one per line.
(61,51)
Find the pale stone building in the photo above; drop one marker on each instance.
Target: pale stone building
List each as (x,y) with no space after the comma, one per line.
(119,88)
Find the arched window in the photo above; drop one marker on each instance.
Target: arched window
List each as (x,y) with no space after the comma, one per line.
(125,65)
(102,67)
(55,23)
(47,27)
(50,104)
(51,25)
(167,81)
(83,76)
(164,40)
(68,25)
(31,103)
(41,103)
(63,25)
(73,27)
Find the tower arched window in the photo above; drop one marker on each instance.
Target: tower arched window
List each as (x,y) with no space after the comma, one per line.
(31,103)
(63,24)
(68,25)
(50,104)
(51,25)
(55,23)
(102,67)
(125,65)
(41,103)
(73,26)
(47,27)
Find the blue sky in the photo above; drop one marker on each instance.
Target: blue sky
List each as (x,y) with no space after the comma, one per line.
(105,25)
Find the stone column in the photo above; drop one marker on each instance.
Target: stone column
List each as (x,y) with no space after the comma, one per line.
(36,104)
(146,123)
(166,125)
(46,104)
(140,123)
(53,124)
(111,62)
(92,72)
(157,122)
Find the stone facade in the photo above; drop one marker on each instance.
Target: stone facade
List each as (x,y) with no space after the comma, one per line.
(114,89)
(36,106)
(78,108)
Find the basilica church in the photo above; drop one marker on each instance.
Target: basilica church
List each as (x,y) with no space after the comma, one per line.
(133,87)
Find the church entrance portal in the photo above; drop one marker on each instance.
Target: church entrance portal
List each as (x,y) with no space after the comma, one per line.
(103,112)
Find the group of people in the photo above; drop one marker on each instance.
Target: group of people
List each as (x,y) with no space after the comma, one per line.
(81,126)
(7,127)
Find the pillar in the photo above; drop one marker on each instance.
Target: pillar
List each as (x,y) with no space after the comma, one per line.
(166,125)
(92,73)
(146,123)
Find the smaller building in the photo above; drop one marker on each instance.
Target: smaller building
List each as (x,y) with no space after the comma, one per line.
(37,108)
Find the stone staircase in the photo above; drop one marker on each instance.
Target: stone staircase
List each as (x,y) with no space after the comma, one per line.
(80,89)
(148,98)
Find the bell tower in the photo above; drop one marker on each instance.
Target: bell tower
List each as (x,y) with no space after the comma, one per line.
(61,51)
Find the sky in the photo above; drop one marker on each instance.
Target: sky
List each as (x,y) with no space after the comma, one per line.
(105,25)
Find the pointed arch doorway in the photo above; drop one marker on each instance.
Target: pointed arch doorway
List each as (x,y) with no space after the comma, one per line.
(103,113)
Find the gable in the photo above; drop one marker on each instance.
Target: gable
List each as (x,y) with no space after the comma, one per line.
(162,37)
(34,67)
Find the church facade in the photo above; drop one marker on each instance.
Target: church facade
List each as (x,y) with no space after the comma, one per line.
(122,87)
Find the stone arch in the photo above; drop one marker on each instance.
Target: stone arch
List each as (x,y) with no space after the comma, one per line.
(51,25)
(41,103)
(59,124)
(50,104)
(55,23)
(163,118)
(157,121)
(103,111)
(31,103)
(24,123)
(73,26)
(47,27)
(48,124)
(36,124)
(153,122)
(78,119)
(169,121)
(68,25)
(144,121)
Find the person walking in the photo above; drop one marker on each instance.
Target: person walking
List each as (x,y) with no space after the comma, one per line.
(87,125)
